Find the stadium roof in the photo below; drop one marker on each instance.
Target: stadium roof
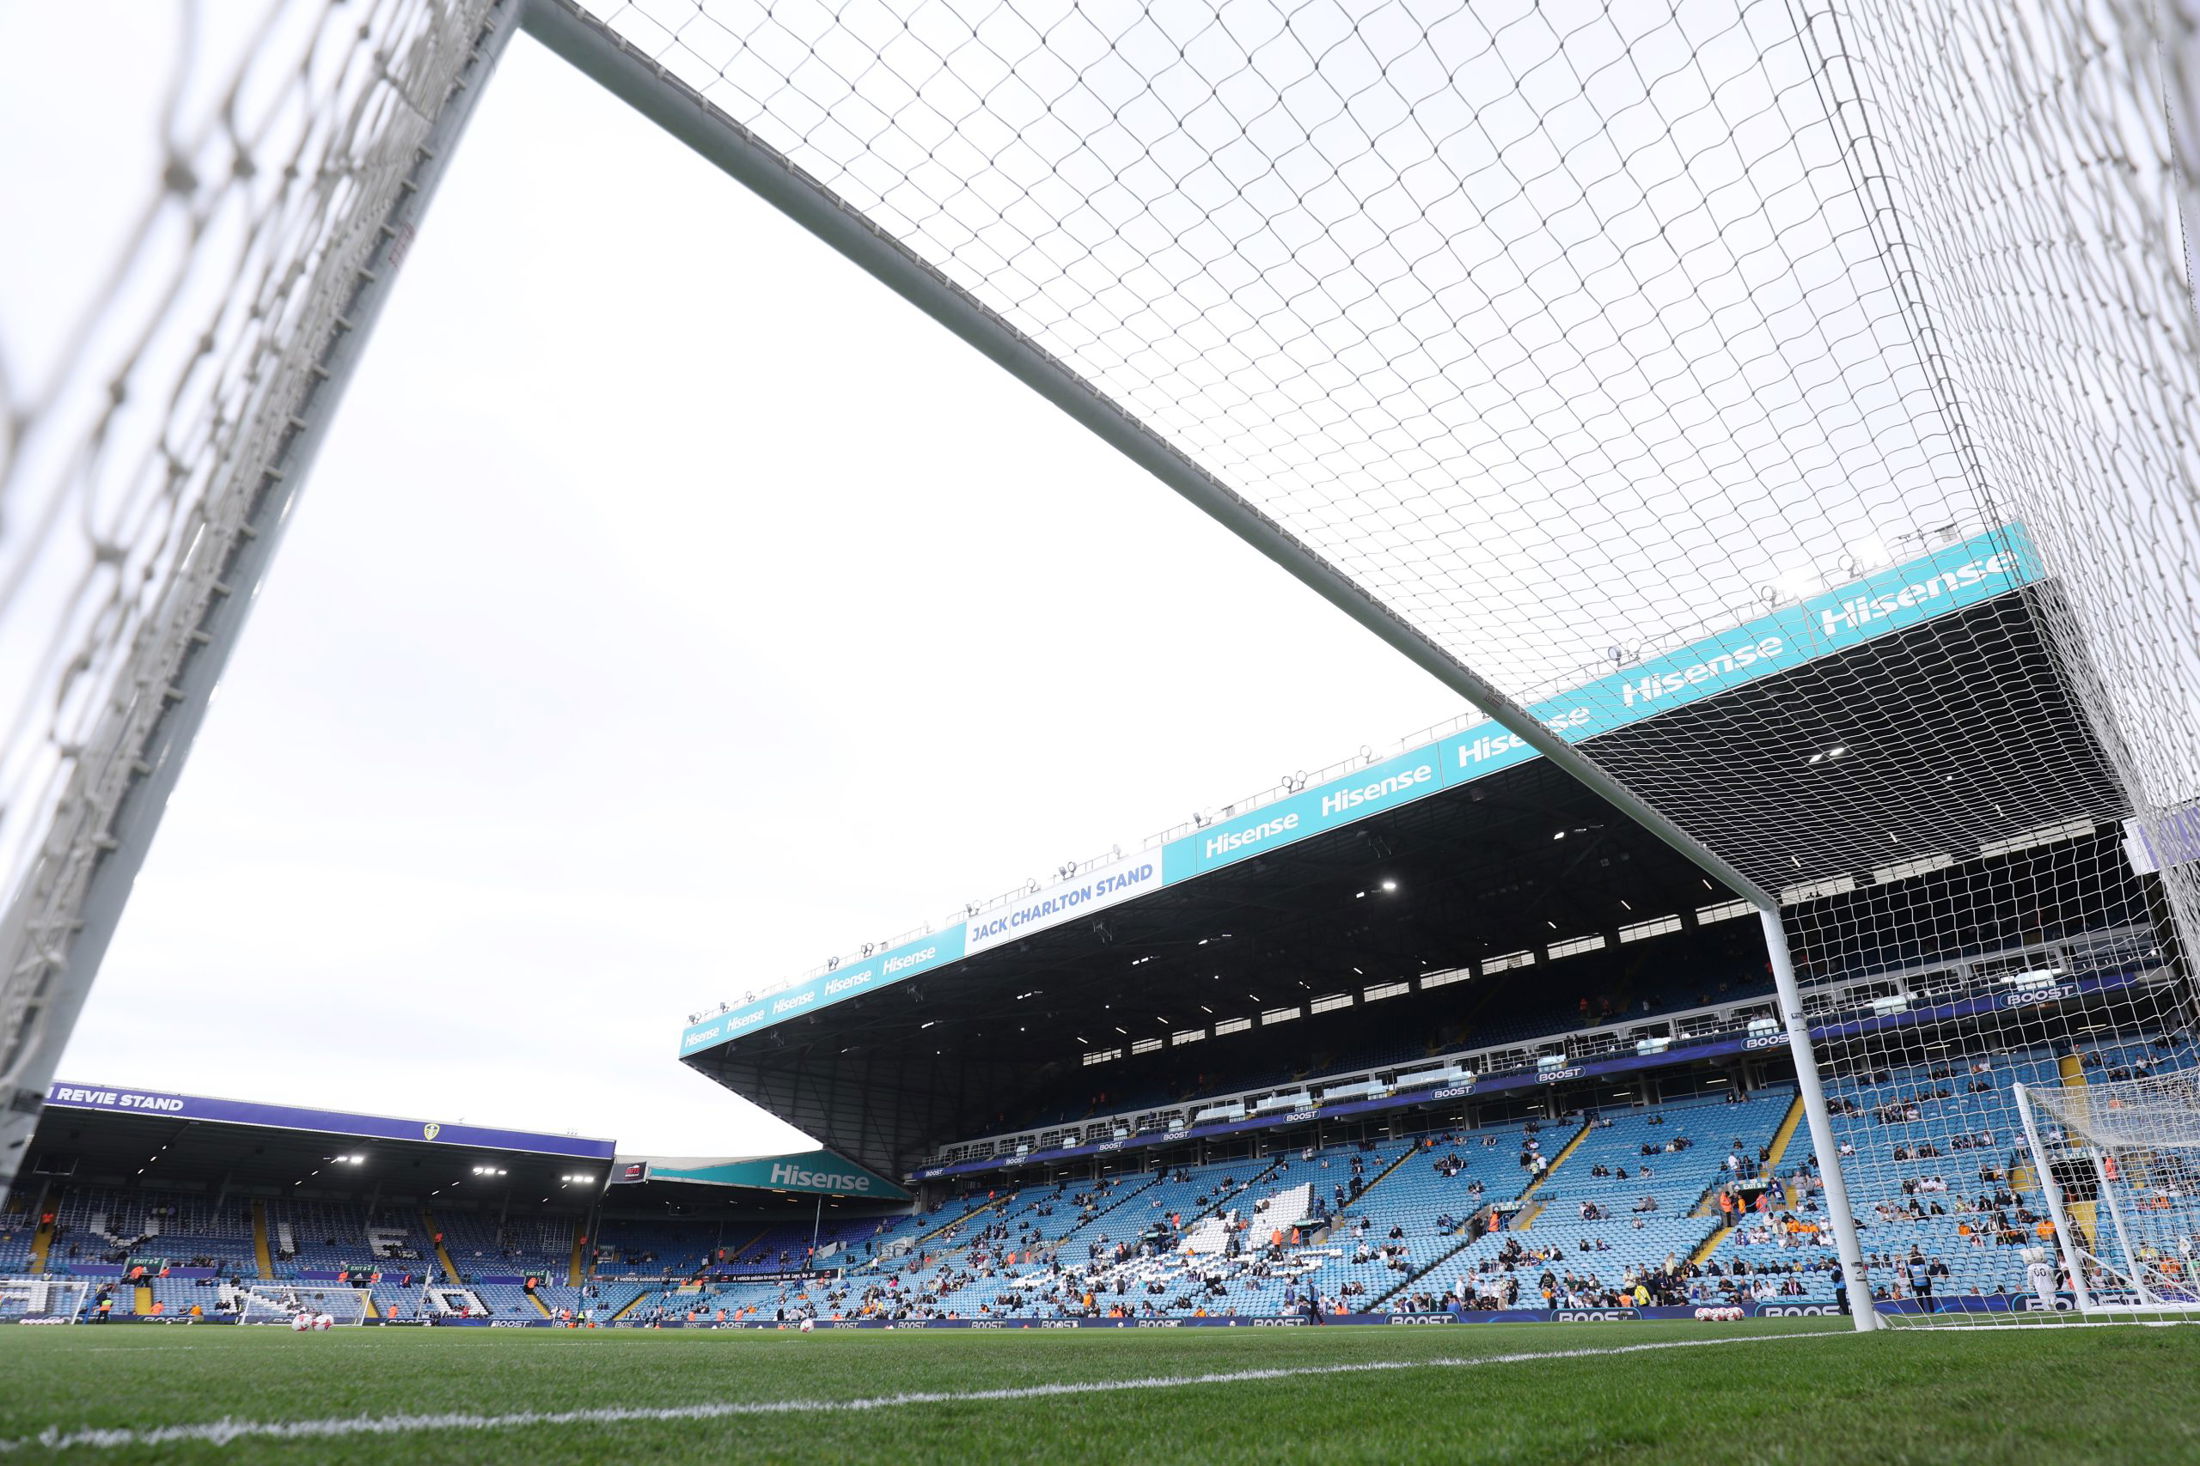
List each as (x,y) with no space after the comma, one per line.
(1645,686)
(116,1135)
(1514,861)
(121,1136)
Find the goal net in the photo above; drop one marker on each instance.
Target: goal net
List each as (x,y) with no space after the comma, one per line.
(2118,1162)
(214,219)
(282,1303)
(42,1300)
(1784,407)
(1786,404)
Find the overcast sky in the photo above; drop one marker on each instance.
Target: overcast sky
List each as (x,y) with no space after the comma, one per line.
(672,609)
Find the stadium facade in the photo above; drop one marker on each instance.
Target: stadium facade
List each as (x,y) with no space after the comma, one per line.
(1441,1038)
(1460,947)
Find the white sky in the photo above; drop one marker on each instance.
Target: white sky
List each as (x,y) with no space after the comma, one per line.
(671,609)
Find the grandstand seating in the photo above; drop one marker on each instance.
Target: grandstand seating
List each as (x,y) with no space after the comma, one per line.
(530,1247)
(1599,1227)
(18,1234)
(1950,1134)
(97,1225)
(1397,1223)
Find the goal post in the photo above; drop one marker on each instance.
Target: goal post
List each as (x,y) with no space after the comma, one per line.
(282,1303)
(42,1300)
(181,453)
(2118,1162)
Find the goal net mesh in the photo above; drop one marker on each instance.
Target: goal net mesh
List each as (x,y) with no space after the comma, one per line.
(1790,402)
(154,354)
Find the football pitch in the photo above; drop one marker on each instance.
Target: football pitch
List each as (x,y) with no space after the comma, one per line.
(1767,1391)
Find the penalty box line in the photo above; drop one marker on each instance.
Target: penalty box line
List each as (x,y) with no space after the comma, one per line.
(222,1432)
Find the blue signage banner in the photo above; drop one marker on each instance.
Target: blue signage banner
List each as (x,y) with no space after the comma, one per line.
(1378,787)
(818,1171)
(68,1096)
(1950,579)
(881,969)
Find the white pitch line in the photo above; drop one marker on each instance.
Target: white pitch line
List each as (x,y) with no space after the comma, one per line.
(222,1432)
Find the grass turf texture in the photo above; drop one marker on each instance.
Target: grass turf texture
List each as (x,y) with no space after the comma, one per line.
(2067,1395)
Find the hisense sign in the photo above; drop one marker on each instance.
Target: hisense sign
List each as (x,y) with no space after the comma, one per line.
(1949,579)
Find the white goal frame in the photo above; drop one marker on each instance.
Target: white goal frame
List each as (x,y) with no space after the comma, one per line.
(2105,1282)
(279,1303)
(39,1295)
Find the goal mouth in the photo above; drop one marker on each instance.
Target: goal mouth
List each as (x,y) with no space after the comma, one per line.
(42,1300)
(2117,1162)
(282,1304)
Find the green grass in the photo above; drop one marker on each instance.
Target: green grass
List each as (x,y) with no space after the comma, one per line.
(2070,1396)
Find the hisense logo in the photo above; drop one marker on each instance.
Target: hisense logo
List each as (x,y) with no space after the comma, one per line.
(1854,614)
(1490,745)
(1725,664)
(1338,801)
(1229,840)
(784,1174)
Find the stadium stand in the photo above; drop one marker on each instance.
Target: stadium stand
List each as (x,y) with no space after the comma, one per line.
(1705,1200)
(94,1225)
(528,1247)
(1689,1183)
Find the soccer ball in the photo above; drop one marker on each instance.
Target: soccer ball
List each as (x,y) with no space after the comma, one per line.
(807,1325)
